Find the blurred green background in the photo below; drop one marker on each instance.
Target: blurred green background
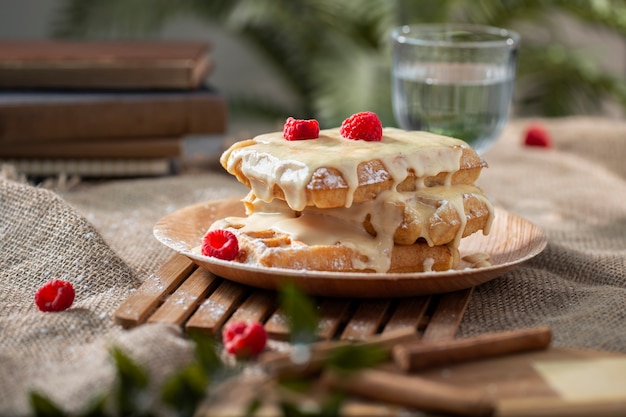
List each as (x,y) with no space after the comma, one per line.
(328,59)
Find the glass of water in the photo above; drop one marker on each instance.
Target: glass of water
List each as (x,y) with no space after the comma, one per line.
(454,79)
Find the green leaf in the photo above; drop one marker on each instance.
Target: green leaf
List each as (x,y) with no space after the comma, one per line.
(42,406)
(299,385)
(253,407)
(132,382)
(332,405)
(354,357)
(290,410)
(185,389)
(300,312)
(96,408)
(130,372)
(329,408)
(206,353)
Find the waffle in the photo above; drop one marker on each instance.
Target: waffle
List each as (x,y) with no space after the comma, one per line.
(278,250)
(331,171)
(332,204)
(439,215)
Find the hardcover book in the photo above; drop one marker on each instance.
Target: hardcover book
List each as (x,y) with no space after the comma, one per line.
(80,115)
(103,64)
(142,148)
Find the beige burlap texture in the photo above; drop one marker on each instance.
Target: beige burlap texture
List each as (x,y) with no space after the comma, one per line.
(99,237)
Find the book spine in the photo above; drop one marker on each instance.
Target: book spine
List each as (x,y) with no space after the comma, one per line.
(74,76)
(113,118)
(103,64)
(116,148)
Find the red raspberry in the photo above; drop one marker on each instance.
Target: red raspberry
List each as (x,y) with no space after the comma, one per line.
(298,129)
(365,126)
(220,244)
(244,340)
(537,135)
(55,295)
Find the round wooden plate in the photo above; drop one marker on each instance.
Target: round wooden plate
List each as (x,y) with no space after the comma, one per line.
(512,241)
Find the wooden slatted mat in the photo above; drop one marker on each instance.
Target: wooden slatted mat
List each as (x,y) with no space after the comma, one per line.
(181,293)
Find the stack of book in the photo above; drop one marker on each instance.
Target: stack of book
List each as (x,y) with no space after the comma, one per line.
(104,108)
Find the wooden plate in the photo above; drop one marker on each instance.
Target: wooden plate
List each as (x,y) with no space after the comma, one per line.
(512,241)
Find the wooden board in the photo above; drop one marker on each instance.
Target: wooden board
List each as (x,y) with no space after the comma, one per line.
(521,388)
(551,383)
(182,293)
(514,384)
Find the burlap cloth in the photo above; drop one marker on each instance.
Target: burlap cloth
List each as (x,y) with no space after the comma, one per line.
(99,237)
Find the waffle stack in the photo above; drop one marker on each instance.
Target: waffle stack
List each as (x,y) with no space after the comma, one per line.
(401,204)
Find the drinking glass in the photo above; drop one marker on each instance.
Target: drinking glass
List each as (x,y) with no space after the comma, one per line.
(454,79)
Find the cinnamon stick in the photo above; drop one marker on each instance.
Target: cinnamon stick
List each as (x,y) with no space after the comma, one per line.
(418,355)
(411,391)
(282,365)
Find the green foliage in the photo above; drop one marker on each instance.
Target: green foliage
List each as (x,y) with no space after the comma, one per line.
(186,388)
(300,312)
(353,357)
(334,55)
(206,354)
(303,324)
(545,73)
(132,395)
(329,408)
(43,407)
(253,407)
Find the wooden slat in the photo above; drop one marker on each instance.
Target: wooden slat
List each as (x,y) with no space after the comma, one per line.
(447,317)
(366,320)
(276,326)
(257,307)
(184,300)
(136,309)
(226,300)
(331,314)
(409,312)
(217,308)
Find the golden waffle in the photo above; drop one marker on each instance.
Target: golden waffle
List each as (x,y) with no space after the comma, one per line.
(439,215)
(332,204)
(332,171)
(272,249)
